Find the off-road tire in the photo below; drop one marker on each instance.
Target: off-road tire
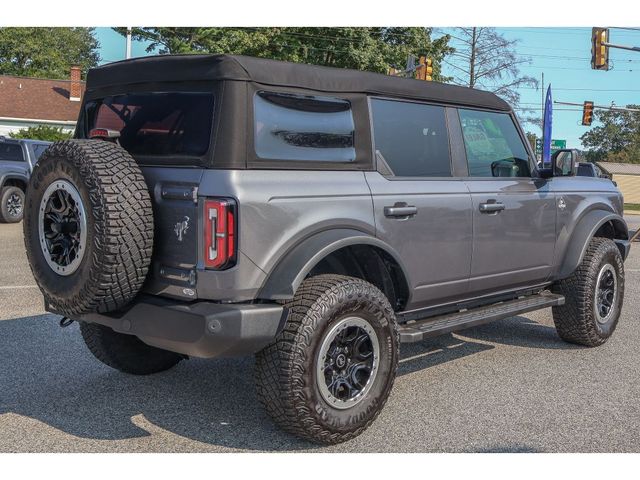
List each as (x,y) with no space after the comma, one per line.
(126,353)
(119,220)
(576,320)
(286,370)
(5,194)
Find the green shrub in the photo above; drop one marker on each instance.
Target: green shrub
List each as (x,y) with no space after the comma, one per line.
(42,132)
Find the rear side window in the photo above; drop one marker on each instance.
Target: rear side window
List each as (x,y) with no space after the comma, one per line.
(494,147)
(39,149)
(303,128)
(11,152)
(159,124)
(411,138)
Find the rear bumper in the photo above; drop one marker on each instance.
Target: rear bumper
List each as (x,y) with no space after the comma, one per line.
(199,329)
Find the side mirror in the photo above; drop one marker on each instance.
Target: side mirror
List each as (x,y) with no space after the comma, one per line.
(545,172)
(565,163)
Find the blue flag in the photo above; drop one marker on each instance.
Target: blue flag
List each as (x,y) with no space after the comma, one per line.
(546,128)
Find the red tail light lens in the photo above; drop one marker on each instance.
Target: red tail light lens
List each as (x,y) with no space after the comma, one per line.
(219,233)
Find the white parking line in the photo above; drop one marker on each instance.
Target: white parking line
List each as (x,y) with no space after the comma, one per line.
(11,287)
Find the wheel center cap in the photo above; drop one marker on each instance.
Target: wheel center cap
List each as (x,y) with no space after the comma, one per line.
(341,360)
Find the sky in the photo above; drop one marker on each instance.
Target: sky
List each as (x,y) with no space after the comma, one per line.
(562,54)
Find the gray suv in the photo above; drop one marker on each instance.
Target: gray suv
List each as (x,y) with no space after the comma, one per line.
(215,205)
(17,158)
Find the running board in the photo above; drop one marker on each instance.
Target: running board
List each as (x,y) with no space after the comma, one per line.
(451,322)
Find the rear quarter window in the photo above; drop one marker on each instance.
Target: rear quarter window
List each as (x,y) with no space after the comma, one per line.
(303,128)
(158,123)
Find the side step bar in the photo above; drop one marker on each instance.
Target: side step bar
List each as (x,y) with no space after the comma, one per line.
(431,327)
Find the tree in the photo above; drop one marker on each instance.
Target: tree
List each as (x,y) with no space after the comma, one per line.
(616,139)
(485,59)
(363,48)
(532,138)
(46,52)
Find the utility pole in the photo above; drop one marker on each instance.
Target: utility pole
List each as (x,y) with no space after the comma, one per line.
(128,53)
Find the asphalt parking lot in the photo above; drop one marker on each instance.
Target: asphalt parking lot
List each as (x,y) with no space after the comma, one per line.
(510,386)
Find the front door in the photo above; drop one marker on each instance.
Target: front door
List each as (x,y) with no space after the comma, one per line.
(514,215)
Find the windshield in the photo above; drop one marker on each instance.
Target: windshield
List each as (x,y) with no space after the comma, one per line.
(158,124)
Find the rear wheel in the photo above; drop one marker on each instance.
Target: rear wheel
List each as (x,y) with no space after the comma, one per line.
(12,204)
(593,296)
(329,373)
(124,352)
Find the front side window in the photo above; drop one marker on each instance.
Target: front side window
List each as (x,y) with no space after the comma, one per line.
(411,138)
(11,152)
(303,128)
(170,123)
(494,147)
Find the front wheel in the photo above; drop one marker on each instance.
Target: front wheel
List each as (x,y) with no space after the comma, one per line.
(593,296)
(329,373)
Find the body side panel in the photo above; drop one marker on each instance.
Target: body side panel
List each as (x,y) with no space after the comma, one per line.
(588,203)
(278,210)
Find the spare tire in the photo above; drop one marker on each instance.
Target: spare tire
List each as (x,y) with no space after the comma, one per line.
(88,227)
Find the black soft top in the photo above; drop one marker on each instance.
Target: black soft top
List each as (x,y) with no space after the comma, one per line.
(178,68)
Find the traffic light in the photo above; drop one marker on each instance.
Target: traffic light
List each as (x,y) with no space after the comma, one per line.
(599,51)
(428,70)
(425,69)
(587,113)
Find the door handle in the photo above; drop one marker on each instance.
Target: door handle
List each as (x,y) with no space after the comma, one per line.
(491,207)
(400,211)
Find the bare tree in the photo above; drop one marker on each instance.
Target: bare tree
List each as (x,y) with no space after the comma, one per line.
(486,60)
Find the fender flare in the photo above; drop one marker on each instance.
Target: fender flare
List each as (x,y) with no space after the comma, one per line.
(14,176)
(584,232)
(285,278)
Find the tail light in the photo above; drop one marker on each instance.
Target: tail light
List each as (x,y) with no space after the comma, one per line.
(219,233)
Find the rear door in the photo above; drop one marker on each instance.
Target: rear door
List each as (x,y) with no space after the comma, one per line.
(420,208)
(514,214)
(169,135)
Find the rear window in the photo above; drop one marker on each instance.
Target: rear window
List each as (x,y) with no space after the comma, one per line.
(11,152)
(158,124)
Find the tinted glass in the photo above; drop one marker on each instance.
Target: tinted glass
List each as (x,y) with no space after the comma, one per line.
(157,123)
(494,147)
(412,138)
(38,150)
(308,128)
(11,152)
(585,171)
